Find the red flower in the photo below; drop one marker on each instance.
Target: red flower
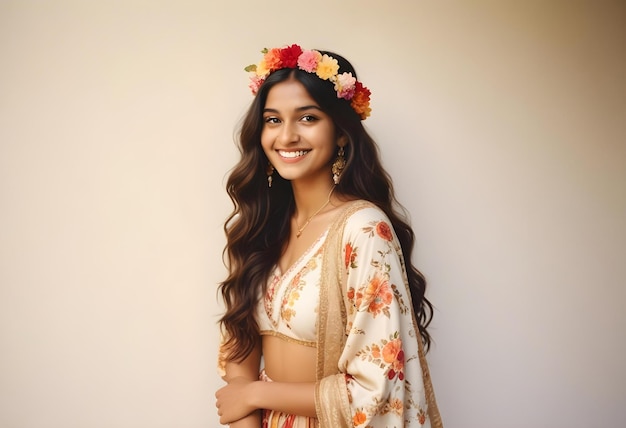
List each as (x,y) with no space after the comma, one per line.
(289,56)
(384,231)
(361,100)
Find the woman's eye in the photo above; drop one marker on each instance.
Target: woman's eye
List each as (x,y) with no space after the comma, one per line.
(309,118)
(271,120)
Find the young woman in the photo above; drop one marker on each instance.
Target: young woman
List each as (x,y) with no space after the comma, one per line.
(321,288)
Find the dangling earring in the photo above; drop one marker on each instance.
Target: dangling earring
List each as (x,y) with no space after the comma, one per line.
(270,173)
(338,165)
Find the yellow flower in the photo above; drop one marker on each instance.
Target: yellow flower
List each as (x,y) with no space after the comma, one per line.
(327,67)
(261,68)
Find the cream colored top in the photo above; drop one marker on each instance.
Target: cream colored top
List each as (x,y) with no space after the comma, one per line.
(289,307)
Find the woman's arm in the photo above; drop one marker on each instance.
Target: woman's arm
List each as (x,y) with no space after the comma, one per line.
(246,371)
(242,396)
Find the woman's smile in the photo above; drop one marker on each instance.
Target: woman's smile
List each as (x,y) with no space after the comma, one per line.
(291,154)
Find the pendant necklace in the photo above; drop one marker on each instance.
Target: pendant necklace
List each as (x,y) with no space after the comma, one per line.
(308,220)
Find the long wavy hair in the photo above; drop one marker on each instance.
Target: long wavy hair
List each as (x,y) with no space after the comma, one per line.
(259,224)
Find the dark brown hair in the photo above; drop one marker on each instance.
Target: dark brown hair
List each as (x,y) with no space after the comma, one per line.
(260,222)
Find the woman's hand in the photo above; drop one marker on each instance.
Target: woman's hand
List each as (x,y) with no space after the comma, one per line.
(233,400)
(253,420)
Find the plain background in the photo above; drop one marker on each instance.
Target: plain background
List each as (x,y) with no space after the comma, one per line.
(501,122)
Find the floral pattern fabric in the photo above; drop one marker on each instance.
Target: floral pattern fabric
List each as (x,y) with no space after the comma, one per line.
(289,307)
(380,358)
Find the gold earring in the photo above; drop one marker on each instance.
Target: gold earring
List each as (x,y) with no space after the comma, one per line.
(338,165)
(270,173)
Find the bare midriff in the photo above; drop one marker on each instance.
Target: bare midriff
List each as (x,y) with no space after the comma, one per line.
(287,361)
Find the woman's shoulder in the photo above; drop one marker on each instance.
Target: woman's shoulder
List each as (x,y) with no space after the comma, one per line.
(359,214)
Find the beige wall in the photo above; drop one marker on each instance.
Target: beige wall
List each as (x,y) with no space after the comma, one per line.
(501,122)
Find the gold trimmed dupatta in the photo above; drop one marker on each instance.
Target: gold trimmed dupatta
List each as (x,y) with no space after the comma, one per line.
(331,395)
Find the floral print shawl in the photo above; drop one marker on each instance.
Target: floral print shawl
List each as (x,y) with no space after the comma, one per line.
(371,369)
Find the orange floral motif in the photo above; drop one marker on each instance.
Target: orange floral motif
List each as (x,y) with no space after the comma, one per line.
(391,350)
(359,418)
(375,351)
(378,295)
(350,259)
(421,417)
(394,355)
(384,231)
(396,406)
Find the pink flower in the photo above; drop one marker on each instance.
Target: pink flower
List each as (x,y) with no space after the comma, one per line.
(255,83)
(308,61)
(345,86)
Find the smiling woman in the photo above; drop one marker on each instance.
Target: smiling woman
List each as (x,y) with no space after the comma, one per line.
(298,138)
(320,283)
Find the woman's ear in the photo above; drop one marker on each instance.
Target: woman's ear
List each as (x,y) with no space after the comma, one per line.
(342,140)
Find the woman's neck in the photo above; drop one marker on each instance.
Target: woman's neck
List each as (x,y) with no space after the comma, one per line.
(311,200)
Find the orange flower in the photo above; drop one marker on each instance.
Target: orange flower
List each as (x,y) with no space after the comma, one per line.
(348,254)
(375,351)
(384,231)
(351,255)
(359,418)
(361,101)
(391,350)
(273,60)
(421,417)
(351,293)
(394,355)
(396,406)
(378,294)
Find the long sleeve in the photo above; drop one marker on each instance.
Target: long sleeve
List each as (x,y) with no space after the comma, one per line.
(379,362)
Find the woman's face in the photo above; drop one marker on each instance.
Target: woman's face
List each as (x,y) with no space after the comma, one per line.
(298,138)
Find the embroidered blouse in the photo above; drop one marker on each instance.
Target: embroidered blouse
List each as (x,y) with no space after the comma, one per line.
(289,307)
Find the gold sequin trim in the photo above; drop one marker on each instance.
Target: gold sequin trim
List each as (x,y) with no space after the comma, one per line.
(287,338)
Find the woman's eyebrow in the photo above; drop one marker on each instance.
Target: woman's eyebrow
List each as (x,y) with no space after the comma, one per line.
(309,107)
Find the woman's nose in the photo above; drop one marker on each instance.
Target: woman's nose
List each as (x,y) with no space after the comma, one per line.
(288,133)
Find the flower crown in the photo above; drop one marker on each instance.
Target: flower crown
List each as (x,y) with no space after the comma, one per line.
(312,61)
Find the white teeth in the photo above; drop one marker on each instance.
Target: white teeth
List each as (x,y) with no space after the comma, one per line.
(296,154)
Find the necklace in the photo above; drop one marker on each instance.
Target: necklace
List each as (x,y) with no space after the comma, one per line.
(308,220)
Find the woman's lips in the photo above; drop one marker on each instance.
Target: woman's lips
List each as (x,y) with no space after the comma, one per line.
(292,154)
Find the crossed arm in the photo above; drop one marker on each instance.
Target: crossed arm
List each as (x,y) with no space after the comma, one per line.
(240,401)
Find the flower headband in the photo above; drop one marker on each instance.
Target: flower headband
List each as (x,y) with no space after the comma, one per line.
(312,61)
